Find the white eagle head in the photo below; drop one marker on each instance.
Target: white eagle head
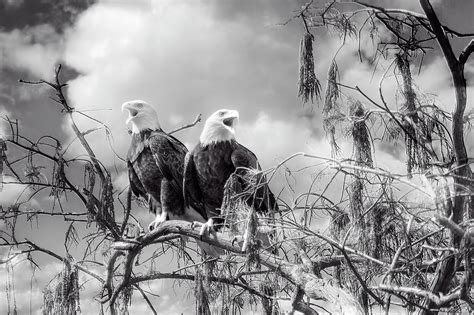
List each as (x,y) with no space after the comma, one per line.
(219,127)
(141,115)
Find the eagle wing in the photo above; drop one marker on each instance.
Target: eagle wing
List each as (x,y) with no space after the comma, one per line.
(168,153)
(136,148)
(134,151)
(191,191)
(135,183)
(243,160)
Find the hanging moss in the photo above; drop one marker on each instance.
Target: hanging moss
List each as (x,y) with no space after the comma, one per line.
(417,130)
(331,111)
(308,85)
(270,306)
(362,155)
(61,295)
(89,184)
(332,90)
(107,201)
(238,210)
(124,300)
(3,158)
(403,65)
(202,301)
(58,178)
(360,135)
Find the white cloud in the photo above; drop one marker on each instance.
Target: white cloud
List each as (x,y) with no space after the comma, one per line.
(35,49)
(273,140)
(4,126)
(184,65)
(179,58)
(26,286)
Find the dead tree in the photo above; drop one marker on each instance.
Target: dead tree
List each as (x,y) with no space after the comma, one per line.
(434,143)
(380,251)
(238,278)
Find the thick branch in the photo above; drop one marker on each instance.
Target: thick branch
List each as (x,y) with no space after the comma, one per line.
(130,257)
(439,300)
(455,229)
(158,275)
(441,37)
(446,271)
(108,285)
(312,286)
(299,305)
(420,17)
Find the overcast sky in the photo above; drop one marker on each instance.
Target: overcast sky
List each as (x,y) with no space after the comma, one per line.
(185,58)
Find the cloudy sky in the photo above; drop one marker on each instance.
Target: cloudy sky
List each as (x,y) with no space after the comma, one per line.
(185,58)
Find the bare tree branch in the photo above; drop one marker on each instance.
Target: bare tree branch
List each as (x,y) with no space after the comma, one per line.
(194,123)
(466,52)
(439,300)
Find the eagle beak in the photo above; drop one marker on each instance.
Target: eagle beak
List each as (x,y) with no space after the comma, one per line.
(131,111)
(232,117)
(125,106)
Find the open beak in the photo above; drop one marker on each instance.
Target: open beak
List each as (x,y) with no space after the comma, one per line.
(132,112)
(231,119)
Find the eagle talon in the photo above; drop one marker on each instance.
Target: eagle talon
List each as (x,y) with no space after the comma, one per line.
(206,228)
(157,222)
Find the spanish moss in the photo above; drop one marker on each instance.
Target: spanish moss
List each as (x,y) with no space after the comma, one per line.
(332,89)
(202,301)
(308,85)
(61,295)
(3,158)
(416,132)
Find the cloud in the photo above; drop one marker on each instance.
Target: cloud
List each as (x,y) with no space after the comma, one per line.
(12,3)
(35,49)
(278,139)
(4,126)
(220,58)
(182,65)
(27,285)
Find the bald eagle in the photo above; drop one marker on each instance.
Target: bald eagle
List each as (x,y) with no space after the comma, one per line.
(210,164)
(155,162)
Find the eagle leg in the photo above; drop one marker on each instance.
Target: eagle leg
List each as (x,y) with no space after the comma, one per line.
(160,218)
(206,228)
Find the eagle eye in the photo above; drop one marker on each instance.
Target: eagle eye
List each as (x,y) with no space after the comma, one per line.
(221,114)
(140,105)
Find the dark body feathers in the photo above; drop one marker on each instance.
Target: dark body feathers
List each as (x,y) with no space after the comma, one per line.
(155,169)
(207,168)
